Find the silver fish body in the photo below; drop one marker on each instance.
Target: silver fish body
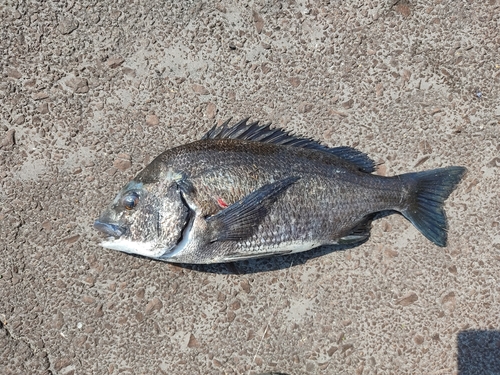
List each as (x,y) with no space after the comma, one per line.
(249,191)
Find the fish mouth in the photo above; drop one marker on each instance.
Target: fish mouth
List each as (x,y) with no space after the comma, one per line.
(110,229)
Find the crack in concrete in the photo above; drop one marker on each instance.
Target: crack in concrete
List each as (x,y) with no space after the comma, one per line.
(32,348)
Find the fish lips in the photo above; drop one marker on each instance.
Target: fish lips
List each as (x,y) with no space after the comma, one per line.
(110,229)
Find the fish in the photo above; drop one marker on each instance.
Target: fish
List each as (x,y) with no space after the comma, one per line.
(250,191)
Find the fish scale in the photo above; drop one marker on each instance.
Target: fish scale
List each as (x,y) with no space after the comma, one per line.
(250,191)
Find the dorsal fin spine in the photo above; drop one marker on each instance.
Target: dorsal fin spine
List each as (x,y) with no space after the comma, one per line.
(263,133)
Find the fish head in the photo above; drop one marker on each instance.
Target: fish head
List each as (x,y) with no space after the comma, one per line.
(146,218)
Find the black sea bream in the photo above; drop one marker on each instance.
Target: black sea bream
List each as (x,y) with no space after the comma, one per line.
(249,191)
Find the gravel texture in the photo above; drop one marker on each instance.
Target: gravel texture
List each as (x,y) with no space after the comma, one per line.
(91,91)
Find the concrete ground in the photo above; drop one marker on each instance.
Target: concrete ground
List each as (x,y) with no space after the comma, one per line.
(91,91)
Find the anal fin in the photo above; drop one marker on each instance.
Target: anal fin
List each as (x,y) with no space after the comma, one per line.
(360,233)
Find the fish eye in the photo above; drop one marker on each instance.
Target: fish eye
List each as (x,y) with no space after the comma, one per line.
(130,200)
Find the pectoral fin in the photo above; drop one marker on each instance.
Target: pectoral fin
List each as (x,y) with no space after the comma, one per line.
(240,220)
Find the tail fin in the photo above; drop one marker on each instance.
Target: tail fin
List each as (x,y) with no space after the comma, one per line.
(428,191)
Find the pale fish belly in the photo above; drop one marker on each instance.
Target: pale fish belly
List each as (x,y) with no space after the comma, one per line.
(282,248)
(133,247)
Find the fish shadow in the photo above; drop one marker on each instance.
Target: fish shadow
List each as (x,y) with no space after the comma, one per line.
(478,352)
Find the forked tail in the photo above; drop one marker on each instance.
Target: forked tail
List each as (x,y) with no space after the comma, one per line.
(427,192)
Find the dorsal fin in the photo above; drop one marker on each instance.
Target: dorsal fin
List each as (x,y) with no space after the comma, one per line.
(263,133)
